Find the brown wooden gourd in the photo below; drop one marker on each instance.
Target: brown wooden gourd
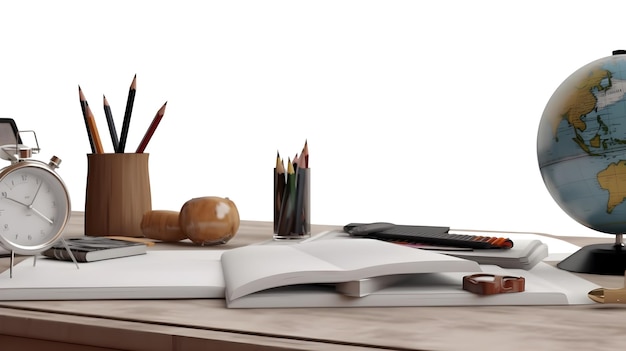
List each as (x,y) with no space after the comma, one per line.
(162,225)
(208,220)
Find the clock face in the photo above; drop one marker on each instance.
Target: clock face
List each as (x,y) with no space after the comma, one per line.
(34,207)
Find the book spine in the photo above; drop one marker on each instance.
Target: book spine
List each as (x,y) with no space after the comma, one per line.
(62,254)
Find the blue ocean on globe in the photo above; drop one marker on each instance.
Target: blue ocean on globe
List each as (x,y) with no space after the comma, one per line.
(581,145)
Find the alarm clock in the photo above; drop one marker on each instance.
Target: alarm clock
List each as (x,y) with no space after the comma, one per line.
(34,202)
(34,206)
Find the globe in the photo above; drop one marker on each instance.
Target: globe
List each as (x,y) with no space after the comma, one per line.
(581,145)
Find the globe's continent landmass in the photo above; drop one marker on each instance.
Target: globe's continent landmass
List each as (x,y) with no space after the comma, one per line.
(613,179)
(580,102)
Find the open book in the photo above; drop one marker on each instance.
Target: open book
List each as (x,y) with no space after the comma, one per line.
(255,268)
(349,272)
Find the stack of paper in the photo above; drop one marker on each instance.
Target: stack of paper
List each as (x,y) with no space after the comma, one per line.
(525,254)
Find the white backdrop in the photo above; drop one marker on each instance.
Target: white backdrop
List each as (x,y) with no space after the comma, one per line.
(415,112)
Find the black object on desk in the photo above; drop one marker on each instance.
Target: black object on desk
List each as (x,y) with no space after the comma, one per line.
(425,235)
(608,259)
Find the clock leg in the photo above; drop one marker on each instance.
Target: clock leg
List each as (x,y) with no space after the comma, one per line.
(11,264)
(70,252)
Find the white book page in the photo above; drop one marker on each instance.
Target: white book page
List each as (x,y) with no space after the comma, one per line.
(259,267)
(376,256)
(157,274)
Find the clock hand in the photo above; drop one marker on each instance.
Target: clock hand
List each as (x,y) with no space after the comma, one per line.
(41,215)
(32,208)
(36,193)
(19,202)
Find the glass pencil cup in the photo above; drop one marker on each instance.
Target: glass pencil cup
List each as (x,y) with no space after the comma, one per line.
(292,204)
(117,194)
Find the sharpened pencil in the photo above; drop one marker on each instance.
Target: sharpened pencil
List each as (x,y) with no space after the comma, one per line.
(83,107)
(304,155)
(302,211)
(111,123)
(286,220)
(94,130)
(129,110)
(279,189)
(153,126)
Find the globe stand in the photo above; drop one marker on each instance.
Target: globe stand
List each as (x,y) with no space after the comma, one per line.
(607,259)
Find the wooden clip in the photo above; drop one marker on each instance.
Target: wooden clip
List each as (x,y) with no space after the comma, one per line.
(489,284)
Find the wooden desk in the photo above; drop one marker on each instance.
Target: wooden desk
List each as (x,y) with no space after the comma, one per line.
(207,324)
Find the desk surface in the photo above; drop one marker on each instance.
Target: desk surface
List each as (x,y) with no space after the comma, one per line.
(198,324)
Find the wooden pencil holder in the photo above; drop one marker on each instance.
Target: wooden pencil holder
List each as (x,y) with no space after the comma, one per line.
(117,195)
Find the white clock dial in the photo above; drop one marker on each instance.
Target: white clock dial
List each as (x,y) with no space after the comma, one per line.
(34,207)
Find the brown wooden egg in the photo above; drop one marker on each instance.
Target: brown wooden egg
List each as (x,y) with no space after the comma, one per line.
(209,220)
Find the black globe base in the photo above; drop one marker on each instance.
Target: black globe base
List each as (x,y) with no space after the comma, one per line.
(607,259)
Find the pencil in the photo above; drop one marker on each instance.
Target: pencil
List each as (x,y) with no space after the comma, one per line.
(302,225)
(111,123)
(286,220)
(129,110)
(94,130)
(296,161)
(279,189)
(83,107)
(153,126)
(304,155)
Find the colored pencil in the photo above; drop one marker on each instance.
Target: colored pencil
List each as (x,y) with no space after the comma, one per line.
(94,130)
(279,189)
(302,225)
(83,107)
(129,110)
(153,126)
(286,220)
(111,123)
(304,155)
